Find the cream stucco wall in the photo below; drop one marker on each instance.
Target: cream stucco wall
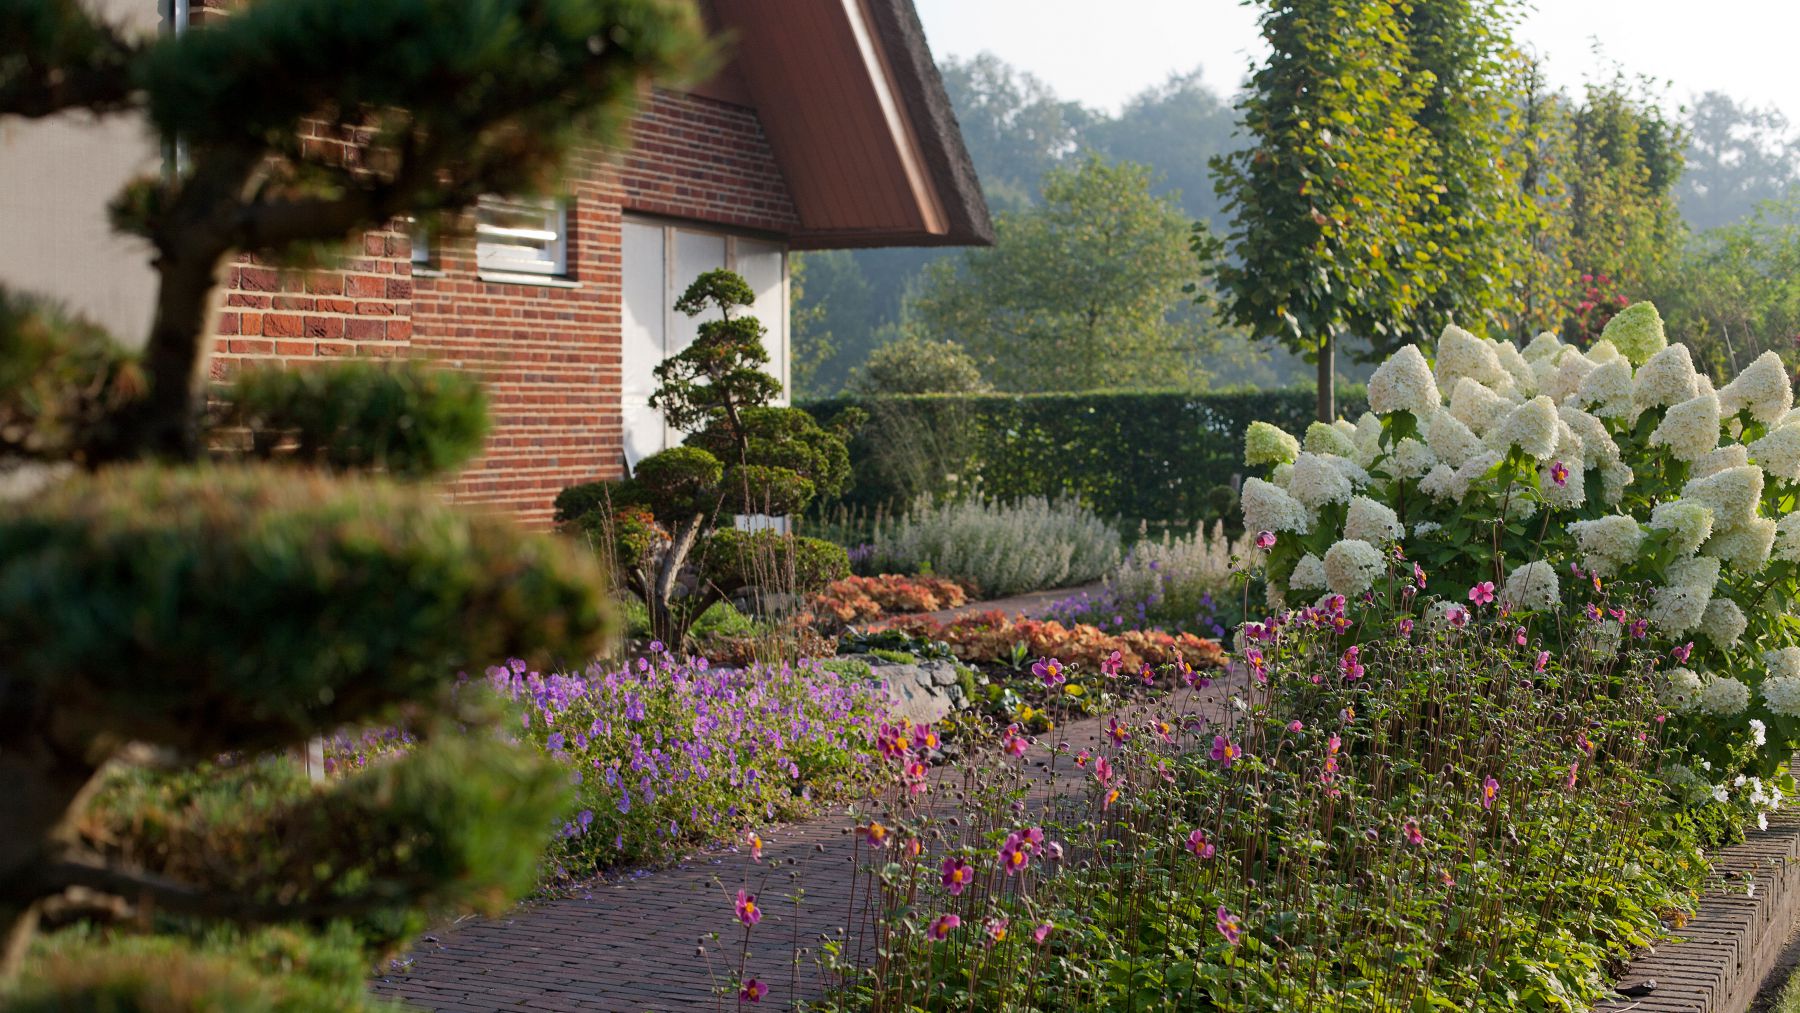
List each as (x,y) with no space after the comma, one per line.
(56,177)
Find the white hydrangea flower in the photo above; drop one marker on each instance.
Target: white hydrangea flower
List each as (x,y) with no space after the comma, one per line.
(1460,354)
(1411,459)
(1267,444)
(1367,440)
(1637,332)
(1688,523)
(1724,696)
(1731,495)
(1607,390)
(1544,372)
(1450,441)
(1779,452)
(1787,538)
(1475,406)
(1690,429)
(1571,369)
(1783,695)
(1681,690)
(1731,455)
(1762,387)
(1700,573)
(1532,586)
(1597,446)
(1268,507)
(1783,663)
(1473,469)
(1703,384)
(1280,474)
(1524,381)
(1544,346)
(1372,522)
(1328,439)
(1613,480)
(1438,615)
(1675,609)
(1745,546)
(1607,544)
(1317,481)
(1423,528)
(1531,427)
(1308,575)
(1667,379)
(1403,384)
(1351,566)
(1723,623)
(1569,495)
(1520,508)
(1351,471)
(1604,351)
(1441,484)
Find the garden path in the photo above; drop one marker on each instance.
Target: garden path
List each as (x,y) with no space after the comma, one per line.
(1032,606)
(630,943)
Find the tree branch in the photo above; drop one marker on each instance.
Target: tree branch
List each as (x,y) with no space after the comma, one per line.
(60,57)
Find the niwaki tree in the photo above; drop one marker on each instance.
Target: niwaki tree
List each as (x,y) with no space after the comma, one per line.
(157,609)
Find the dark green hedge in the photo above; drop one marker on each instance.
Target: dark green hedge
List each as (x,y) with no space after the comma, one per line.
(1137,455)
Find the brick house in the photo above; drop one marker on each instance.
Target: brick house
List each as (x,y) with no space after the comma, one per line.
(828,127)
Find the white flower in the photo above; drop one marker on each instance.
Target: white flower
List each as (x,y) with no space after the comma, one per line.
(1423,528)
(1403,384)
(1451,442)
(1266,444)
(1475,406)
(1762,387)
(1783,663)
(1667,379)
(1473,469)
(1731,455)
(1441,483)
(1744,546)
(1371,522)
(1613,480)
(1688,523)
(1607,390)
(1676,610)
(1719,793)
(1531,427)
(1690,429)
(1532,586)
(1268,507)
(1368,439)
(1701,573)
(1571,369)
(1724,696)
(1349,469)
(1681,690)
(1460,354)
(1604,351)
(1569,495)
(1524,380)
(1782,694)
(1317,481)
(1723,623)
(1637,332)
(1544,346)
(1787,538)
(1308,575)
(1351,566)
(1328,439)
(1410,459)
(1759,736)
(1597,446)
(1779,452)
(1731,494)
(1607,544)
(1280,474)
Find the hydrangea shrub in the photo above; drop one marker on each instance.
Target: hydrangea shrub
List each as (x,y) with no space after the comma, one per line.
(1554,472)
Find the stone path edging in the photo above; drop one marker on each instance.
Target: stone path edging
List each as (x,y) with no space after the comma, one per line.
(1733,941)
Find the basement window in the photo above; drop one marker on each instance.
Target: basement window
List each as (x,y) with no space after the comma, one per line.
(515,236)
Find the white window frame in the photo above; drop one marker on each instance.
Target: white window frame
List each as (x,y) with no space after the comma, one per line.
(523,253)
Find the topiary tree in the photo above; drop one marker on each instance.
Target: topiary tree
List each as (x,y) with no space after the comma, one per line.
(204,617)
(661,526)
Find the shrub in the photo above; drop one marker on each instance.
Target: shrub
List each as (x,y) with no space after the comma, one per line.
(994,637)
(1620,464)
(406,419)
(1172,583)
(914,365)
(61,379)
(859,599)
(1002,549)
(734,561)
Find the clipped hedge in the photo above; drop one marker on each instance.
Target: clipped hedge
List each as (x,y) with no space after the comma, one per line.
(1140,455)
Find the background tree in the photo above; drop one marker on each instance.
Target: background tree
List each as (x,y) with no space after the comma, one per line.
(1734,293)
(174,613)
(1738,156)
(1078,293)
(1326,230)
(914,365)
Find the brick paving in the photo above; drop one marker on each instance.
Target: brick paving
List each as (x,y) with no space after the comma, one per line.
(629,944)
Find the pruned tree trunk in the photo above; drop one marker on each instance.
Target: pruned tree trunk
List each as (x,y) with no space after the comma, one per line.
(1327,378)
(45,788)
(175,357)
(665,624)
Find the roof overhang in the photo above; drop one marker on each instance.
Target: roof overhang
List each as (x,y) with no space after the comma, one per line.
(856,114)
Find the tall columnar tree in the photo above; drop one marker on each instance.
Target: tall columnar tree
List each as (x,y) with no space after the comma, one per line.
(1326,202)
(176,611)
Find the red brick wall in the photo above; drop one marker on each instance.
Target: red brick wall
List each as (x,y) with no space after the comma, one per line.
(550,355)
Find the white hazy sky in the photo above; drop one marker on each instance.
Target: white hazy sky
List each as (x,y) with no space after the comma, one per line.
(1102,53)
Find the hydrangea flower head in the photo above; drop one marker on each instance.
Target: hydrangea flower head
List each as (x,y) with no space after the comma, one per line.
(1450,441)
(1687,522)
(1723,623)
(1328,439)
(1607,391)
(1763,388)
(1637,332)
(1607,544)
(1351,566)
(1268,507)
(1787,538)
(1461,354)
(1724,696)
(1308,575)
(1731,495)
(1318,481)
(1267,444)
(1372,522)
(1531,427)
(1532,586)
(1667,379)
(1403,384)
(1690,429)
(1778,452)
(1745,546)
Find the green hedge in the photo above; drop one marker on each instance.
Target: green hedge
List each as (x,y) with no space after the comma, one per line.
(1137,455)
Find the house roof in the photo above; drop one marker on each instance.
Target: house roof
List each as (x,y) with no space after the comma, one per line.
(857,115)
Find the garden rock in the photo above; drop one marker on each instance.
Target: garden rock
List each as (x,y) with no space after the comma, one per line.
(922,692)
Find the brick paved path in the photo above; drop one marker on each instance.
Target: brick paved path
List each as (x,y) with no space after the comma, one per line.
(628,944)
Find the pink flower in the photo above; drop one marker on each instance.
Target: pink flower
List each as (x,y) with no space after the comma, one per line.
(1107,800)
(1559,473)
(1015,854)
(1414,836)
(1640,629)
(1458,616)
(1418,575)
(1229,926)
(1294,726)
(1351,664)
(1406,626)
(1163,730)
(747,911)
(1113,665)
(1103,770)
(1543,661)
(755,843)
(1592,611)
(941,927)
(1198,845)
(1490,791)
(1574,769)
(1050,670)
(1225,751)
(753,991)
(1519,636)
(956,875)
(874,833)
(1681,653)
(1117,732)
(1014,743)
(1482,593)
(1041,932)
(1265,540)
(996,929)
(1259,665)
